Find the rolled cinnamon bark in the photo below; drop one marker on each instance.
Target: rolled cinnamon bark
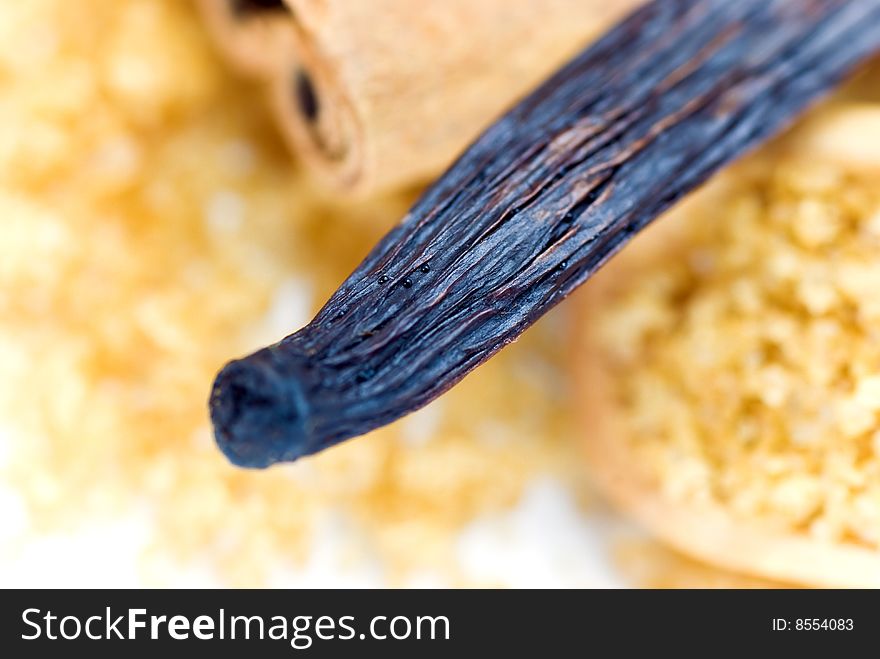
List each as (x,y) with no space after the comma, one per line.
(382,94)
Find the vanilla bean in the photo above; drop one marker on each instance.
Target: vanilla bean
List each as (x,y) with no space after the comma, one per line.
(540,201)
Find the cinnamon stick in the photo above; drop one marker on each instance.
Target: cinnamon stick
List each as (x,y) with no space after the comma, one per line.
(383,94)
(402,89)
(536,205)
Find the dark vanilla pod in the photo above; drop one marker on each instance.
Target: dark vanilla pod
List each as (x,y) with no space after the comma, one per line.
(540,201)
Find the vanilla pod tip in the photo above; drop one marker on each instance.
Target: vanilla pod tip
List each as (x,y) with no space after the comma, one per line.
(258,411)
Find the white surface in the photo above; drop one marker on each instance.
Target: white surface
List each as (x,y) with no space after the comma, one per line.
(545,541)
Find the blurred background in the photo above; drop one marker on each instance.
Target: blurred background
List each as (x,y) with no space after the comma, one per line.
(154,225)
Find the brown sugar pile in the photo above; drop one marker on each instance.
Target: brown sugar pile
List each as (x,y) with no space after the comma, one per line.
(152,228)
(741,338)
